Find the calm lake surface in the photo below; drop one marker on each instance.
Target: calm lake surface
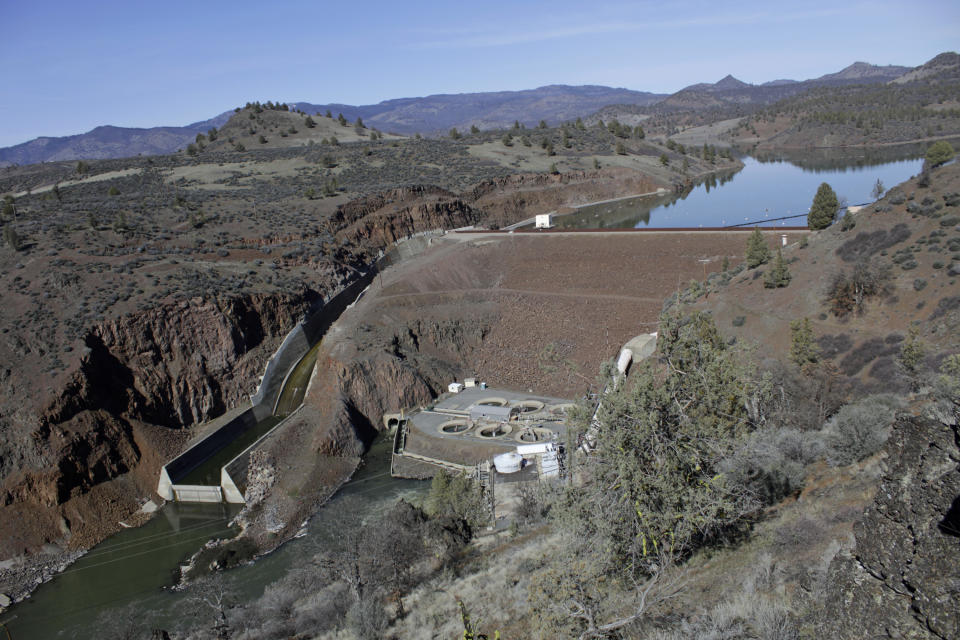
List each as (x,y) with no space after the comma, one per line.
(764,189)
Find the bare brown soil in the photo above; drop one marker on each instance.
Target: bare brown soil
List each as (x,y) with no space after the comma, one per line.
(552,307)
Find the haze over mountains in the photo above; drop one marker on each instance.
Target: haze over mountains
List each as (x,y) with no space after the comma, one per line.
(439,113)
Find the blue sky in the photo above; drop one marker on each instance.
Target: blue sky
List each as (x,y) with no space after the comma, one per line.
(70,66)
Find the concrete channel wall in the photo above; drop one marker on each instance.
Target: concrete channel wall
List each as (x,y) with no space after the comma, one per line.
(169,488)
(316,322)
(233,475)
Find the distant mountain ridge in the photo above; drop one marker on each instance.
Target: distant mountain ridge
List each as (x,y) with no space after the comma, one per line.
(441,112)
(489,110)
(107,141)
(731,91)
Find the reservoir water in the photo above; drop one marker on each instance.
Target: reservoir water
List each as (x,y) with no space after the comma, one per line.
(132,570)
(771,187)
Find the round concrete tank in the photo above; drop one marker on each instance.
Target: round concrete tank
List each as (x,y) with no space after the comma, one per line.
(454,426)
(495,431)
(533,434)
(508,462)
(492,402)
(530,406)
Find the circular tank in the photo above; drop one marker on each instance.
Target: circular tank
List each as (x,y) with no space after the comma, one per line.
(531,406)
(454,426)
(493,402)
(531,435)
(495,431)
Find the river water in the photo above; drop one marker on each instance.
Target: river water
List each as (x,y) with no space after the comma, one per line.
(129,574)
(772,187)
(131,571)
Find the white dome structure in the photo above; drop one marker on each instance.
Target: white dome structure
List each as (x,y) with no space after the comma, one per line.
(508,462)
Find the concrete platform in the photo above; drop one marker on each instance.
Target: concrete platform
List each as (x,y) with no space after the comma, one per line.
(453,432)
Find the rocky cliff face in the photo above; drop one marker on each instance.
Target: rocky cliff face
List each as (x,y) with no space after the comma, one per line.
(902,579)
(168,366)
(384,218)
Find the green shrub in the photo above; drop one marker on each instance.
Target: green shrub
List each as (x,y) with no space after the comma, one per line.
(847,222)
(459,497)
(939,152)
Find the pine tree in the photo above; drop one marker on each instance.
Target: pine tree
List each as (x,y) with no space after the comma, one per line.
(803,350)
(757,250)
(824,208)
(779,275)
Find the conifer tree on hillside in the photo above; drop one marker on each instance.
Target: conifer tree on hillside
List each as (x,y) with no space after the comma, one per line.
(779,275)
(824,208)
(757,250)
(803,348)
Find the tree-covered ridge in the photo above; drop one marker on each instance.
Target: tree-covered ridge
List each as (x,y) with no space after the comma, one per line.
(874,113)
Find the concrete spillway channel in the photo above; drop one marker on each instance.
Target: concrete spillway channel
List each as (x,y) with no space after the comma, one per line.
(214,469)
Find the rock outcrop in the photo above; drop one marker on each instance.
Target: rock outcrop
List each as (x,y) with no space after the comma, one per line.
(138,377)
(902,580)
(383,218)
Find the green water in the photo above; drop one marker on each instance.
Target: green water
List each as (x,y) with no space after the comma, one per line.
(208,473)
(291,397)
(295,386)
(128,565)
(124,578)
